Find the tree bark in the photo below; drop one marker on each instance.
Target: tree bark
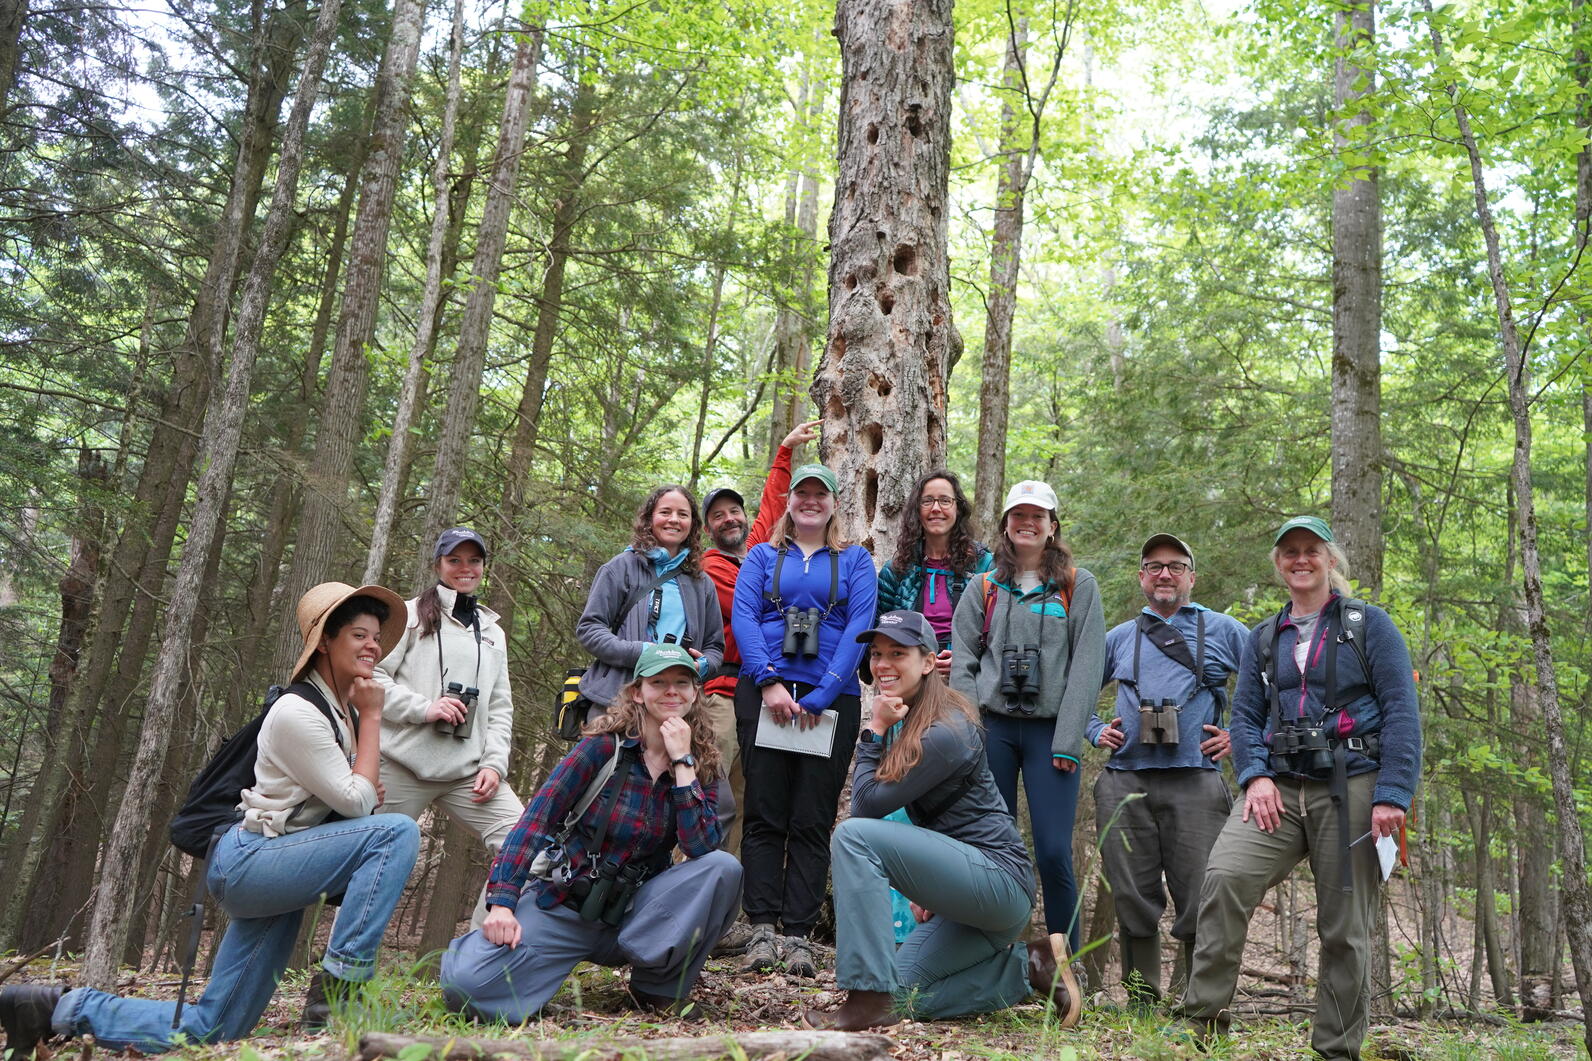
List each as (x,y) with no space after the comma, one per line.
(464,386)
(431,301)
(1357,305)
(340,425)
(812,1045)
(1575,891)
(793,324)
(108,929)
(880,386)
(13,14)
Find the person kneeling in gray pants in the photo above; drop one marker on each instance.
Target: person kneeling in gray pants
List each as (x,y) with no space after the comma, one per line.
(610,895)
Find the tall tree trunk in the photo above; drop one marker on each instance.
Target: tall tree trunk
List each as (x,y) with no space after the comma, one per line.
(223,432)
(1005,262)
(711,342)
(13,13)
(880,386)
(78,581)
(167,464)
(528,415)
(431,301)
(1357,306)
(464,378)
(1575,890)
(1583,219)
(793,325)
(341,422)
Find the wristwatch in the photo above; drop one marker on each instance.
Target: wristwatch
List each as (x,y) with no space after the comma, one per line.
(684,760)
(869,736)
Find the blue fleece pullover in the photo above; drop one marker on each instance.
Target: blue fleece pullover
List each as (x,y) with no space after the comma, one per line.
(1160,677)
(804,583)
(1392,711)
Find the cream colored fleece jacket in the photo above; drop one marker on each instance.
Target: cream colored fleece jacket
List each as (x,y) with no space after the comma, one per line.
(300,774)
(414,680)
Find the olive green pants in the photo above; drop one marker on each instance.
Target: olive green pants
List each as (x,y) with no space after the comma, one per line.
(1245,862)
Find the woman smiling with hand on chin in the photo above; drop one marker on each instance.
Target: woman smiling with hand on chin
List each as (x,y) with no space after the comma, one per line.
(652,592)
(661,794)
(961,860)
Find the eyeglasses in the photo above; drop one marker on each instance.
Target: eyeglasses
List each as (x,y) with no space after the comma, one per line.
(936,502)
(1155,567)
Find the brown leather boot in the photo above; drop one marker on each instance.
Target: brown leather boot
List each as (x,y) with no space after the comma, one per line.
(1050,973)
(861,1010)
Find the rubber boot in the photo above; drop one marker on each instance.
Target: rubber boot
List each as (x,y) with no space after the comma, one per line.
(861,1010)
(1181,968)
(1141,968)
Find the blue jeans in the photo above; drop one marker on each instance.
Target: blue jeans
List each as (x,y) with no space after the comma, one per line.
(966,959)
(263,884)
(1023,745)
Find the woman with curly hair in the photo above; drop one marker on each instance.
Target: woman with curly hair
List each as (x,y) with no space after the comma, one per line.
(652,592)
(640,783)
(936,556)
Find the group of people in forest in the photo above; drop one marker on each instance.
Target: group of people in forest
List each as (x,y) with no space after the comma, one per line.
(723,715)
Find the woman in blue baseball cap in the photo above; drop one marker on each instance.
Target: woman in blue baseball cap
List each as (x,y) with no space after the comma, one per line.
(449,721)
(960,859)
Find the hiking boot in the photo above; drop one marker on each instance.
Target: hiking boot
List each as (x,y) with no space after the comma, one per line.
(26,1012)
(735,940)
(1050,973)
(683,1008)
(760,954)
(325,992)
(860,1011)
(798,956)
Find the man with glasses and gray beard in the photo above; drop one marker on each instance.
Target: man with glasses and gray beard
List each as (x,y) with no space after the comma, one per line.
(1171,663)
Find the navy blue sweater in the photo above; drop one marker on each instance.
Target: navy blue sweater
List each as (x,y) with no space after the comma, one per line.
(1392,712)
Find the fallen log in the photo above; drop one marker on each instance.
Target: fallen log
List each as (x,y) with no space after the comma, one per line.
(810,1045)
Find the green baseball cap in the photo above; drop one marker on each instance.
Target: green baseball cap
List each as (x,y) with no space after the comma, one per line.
(1314,524)
(655,659)
(814,471)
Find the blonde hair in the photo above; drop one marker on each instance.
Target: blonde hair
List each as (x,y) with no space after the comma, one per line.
(623,718)
(1337,575)
(784,530)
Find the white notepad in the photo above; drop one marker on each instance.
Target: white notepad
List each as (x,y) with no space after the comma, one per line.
(790,737)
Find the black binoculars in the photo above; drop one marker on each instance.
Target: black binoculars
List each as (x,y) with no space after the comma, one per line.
(683,642)
(466,696)
(801,631)
(1158,721)
(1301,749)
(605,895)
(1020,672)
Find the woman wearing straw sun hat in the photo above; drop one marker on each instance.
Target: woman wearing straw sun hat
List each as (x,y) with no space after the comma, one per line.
(319,755)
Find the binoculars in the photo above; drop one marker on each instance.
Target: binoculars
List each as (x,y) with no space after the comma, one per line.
(1020,672)
(1301,749)
(801,631)
(466,696)
(683,642)
(1158,721)
(605,895)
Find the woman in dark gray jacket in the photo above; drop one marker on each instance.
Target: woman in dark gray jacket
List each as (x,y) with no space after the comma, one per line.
(960,860)
(654,591)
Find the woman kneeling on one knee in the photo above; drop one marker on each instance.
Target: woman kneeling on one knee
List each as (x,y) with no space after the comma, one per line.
(610,895)
(314,760)
(961,861)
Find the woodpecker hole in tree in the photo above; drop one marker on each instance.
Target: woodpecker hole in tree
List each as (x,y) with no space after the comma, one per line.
(886,302)
(914,122)
(873,437)
(873,133)
(880,385)
(906,260)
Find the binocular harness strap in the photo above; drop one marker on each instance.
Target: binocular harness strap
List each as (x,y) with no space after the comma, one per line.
(773,595)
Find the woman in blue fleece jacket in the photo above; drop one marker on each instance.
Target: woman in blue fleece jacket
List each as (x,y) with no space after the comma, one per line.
(790,797)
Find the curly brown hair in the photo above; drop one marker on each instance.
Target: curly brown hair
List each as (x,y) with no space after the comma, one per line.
(1055,564)
(623,718)
(641,539)
(909,544)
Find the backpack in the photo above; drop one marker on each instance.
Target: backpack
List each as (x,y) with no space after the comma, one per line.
(212,800)
(1351,617)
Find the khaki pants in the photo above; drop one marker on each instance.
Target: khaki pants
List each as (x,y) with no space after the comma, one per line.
(1246,861)
(488,822)
(721,713)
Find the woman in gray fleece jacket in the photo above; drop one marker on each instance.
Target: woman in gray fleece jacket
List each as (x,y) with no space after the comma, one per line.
(1029,649)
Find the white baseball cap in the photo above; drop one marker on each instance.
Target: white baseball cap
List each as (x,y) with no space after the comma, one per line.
(1029,492)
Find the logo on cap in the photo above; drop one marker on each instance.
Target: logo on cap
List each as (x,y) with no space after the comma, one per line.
(889,620)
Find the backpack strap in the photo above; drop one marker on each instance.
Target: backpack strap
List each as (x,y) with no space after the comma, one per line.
(774,597)
(928,813)
(989,612)
(578,811)
(308,691)
(655,587)
(626,754)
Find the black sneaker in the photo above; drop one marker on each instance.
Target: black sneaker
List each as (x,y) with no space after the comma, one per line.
(26,1013)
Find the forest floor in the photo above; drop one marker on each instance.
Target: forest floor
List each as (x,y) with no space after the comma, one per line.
(591,1009)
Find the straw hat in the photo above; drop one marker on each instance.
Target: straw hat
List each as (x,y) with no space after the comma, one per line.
(320,601)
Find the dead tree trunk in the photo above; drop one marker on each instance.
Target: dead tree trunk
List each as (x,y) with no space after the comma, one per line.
(109,924)
(1357,305)
(880,386)
(340,424)
(793,324)
(1575,891)
(13,13)
(464,386)
(431,301)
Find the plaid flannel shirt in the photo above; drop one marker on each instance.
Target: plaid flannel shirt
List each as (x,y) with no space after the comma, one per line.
(649,817)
